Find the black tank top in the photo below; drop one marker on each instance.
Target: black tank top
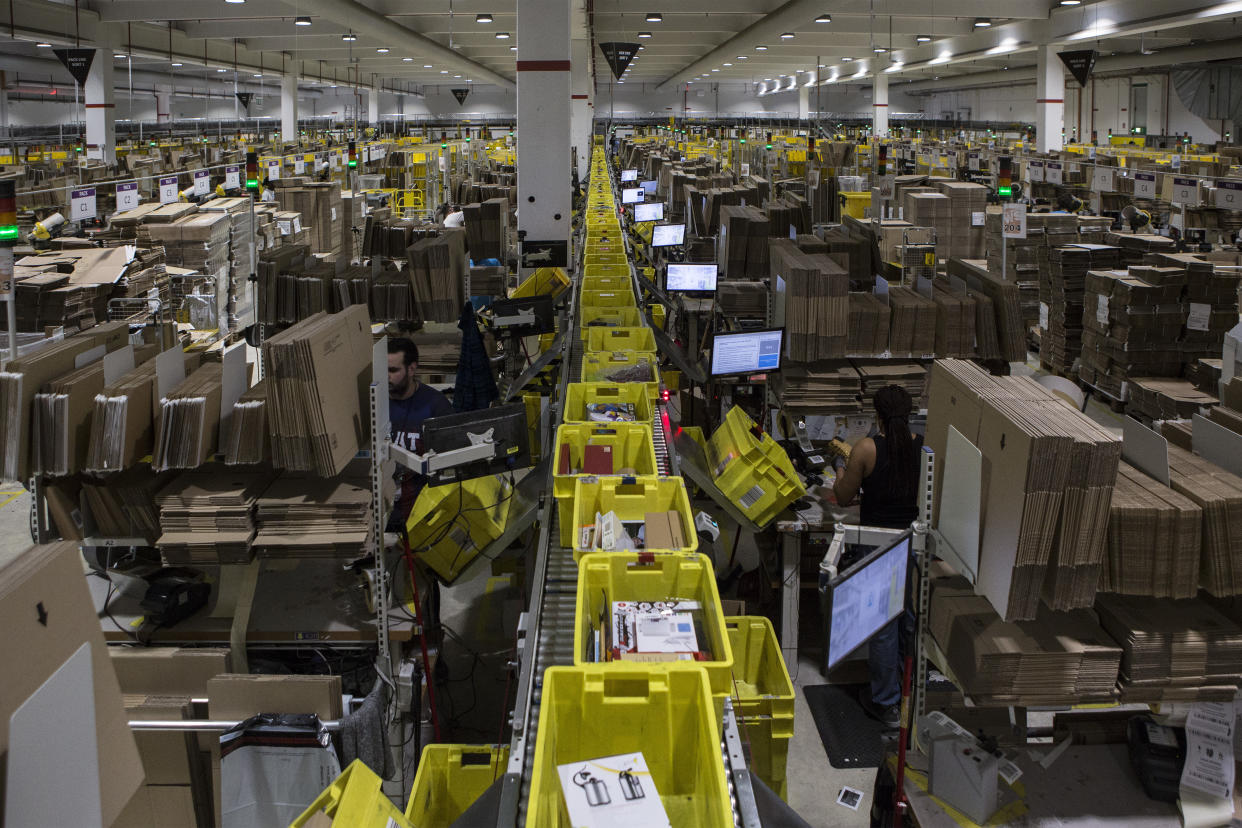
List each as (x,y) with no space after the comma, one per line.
(880,504)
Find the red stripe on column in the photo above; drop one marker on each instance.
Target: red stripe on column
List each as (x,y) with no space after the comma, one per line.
(101,106)
(879,104)
(578,97)
(1049,100)
(543,66)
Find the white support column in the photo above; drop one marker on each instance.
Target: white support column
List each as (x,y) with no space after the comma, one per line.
(1049,100)
(289,109)
(879,106)
(582,103)
(543,104)
(373,107)
(804,103)
(100,107)
(163,104)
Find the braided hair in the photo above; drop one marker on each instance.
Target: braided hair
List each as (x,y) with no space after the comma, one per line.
(892,408)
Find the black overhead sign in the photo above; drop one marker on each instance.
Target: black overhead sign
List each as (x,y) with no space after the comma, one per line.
(77,61)
(245,98)
(460,95)
(618,56)
(1079,63)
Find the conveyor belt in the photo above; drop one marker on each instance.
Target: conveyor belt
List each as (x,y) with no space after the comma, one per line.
(547,639)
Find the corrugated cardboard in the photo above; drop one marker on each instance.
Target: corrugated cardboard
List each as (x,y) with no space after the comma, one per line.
(663,530)
(236,696)
(168,671)
(46,613)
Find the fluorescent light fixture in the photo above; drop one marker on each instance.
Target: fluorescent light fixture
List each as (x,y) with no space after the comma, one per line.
(302,20)
(743,57)
(726,64)
(43,45)
(654,17)
(879,50)
(119,56)
(715,70)
(512,48)
(222,70)
(922,38)
(944,57)
(895,67)
(502,35)
(761,48)
(427,66)
(824,18)
(644,34)
(846,59)
(407,60)
(383,50)
(983,22)
(457,76)
(258,74)
(483,17)
(620,81)
(349,37)
(235,2)
(175,64)
(1006,45)
(443,71)
(786,35)
(1070,2)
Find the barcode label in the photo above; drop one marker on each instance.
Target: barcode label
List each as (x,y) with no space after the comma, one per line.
(749,499)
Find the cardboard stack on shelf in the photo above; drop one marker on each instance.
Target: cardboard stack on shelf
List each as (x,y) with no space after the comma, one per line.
(875,375)
(241,307)
(912,325)
(816,303)
(742,299)
(1154,539)
(1131,323)
(207,515)
(1007,306)
(487,228)
(1061,293)
(956,320)
(1211,300)
(968,203)
(322,213)
(437,267)
(188,425)
(868,325)
(1157,398)
(743,243)
(935,210)
(1219,494)
(830,387)
(301,515)
(246,441)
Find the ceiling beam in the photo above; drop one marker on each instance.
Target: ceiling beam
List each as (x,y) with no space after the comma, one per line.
(134,11)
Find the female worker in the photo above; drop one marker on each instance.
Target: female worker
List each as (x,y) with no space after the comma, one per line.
(885,467)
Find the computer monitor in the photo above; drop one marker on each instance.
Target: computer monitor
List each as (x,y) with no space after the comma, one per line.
(649,186)
(865,597)
(510,435)
(667,235)
(629,175)
(649,212)
(691,278)
(632,196)
(746,352)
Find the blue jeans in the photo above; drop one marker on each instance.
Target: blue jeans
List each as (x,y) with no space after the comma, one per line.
(884,661)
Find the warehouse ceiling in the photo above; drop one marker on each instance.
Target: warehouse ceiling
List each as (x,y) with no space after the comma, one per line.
(774,46)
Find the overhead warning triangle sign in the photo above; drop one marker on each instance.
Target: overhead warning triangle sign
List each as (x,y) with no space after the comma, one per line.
(618,56)
(77,61)
(1079,63)
(245,98)
(460,95)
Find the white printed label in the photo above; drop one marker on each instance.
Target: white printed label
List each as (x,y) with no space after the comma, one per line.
(202,182)
(1052,172)
(168,190)
(977,218)
(82,204)
(1043,316)
(1102,179)
(299,166)
(745,169)
(1035,171)
(1209,750)
(232,178)
(1144,185)
(333,213)
(1013,221)
(297,224)
(286,227)
(1101,311)
(751,497)
(1185,191)
(273,170)
(127,196)
(1200,313)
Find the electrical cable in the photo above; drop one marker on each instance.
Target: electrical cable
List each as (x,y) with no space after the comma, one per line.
(422,639)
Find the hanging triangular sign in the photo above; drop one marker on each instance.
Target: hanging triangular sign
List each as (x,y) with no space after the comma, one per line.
(1079,63)
(460,95)
(618,56)
(245,98)
(77,61)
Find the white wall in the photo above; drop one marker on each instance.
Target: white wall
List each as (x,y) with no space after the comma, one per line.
(1111,108)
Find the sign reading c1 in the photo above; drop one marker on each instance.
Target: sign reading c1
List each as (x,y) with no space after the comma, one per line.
(618,56)
(1079,62)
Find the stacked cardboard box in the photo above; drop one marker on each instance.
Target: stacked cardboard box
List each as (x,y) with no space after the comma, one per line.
(1219,494)
(1019,262)
(1006,304)
(1170,646)
(935,210)
(322,213)
(748,300)
(1061,293)
(437,270)
(246,441)
(1135,247)
(207,515)
(956,321)
(868,325)
(743,244)
(1154,539)
(319,373)
(910,375)
(1045,508)
(1166,399)
(912,325)
(188,427)
(1054,658)
(240,308)
(487,229)
(1129,324)
(816,303)
(1211,299)
(968,202)
(835,388)
(307,516)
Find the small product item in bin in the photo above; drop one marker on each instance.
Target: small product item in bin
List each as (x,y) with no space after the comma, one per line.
(612,792)
(669,630)
(598,412)
(638,372)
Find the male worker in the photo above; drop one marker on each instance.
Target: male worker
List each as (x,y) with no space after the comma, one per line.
(410,402)
(456,217)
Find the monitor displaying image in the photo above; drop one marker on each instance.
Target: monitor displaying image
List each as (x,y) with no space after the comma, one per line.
(691,277)
(667,235)
(649,212)
(748,352)
(629,175)
(632,196)
(649,186)
(866,597)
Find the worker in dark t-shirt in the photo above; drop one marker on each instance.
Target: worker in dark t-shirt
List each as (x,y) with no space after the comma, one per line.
(410,402)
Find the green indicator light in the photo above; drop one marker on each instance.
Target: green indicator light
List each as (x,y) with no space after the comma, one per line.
(743,140)
(769,146)
(1005,191)
(252,183)
(353,163)
(8,232)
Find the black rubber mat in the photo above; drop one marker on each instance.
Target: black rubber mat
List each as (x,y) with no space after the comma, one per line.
(851,738)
